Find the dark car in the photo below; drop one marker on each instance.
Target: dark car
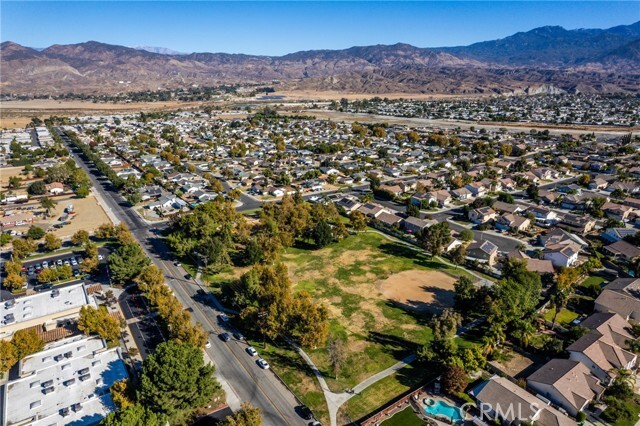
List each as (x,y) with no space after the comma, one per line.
(238,335)
(304,412)
(225,337)
(200,292)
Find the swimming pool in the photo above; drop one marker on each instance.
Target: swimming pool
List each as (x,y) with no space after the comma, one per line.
(441,408)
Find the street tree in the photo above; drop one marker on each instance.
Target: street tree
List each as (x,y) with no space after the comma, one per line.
(80,237)
(246,416)
(51,242)
(175,379)
(127,262)
(23,247)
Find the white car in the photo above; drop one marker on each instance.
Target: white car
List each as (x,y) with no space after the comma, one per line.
(208,344)
(45,264)
(252,351)
(100,257)
(263,364)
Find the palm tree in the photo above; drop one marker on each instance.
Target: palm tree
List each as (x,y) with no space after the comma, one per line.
(47,204)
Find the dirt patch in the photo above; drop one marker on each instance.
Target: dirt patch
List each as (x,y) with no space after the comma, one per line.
(422,291)
(6,173)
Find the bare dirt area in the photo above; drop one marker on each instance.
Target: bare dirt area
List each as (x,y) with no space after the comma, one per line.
(6,173)
(419,290)
(17,114)
(88,216)
(515,364)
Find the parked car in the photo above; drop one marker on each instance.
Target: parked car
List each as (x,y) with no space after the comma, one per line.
(45,264)
(76,273)
(208,344)
(59,262)
(223,317)
(238,335)
(263,363)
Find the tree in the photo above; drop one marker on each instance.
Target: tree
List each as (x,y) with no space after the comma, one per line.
(47,204)
(435,237)
(122,393)
(26,342)
(459,254)
(454,380)
(105,231)
(337,355)
(413,210)
(175,378)
(134,198)
(252,252)
(584,180)
(14,281)
(80,237)
(35,232)
(322,234)
(134,415)
(246,416)
(505,198)
(82,191)
(48,275)
(14,182)
(37,188)
(533,192)
(51,242)
(358,220)
(5,239)
(465,296)
(22,248)
(466,235)
(309,321)
(622,385)
(127,262)
(98,321)
(7,356)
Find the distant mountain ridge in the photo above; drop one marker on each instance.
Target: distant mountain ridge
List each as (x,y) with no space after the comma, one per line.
(160,50)
(545,58)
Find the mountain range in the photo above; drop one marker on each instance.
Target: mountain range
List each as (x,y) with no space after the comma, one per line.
(546,59)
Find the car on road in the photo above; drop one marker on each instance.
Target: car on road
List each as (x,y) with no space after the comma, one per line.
(304,412)
(208,344)
(238,335)
(225,337)
(252,351)
(315,424)
(223,317)
(263,363)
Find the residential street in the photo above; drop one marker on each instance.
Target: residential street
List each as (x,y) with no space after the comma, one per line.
(247,381)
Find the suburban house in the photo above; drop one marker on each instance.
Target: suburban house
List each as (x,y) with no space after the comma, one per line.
(502,207)
(613,235)
(55,188)
(511,222)
(372,210)
(543,216)
(482,215)
(576,223)
(623,250)
(502,400)
(461,194)
(567,383)
(620,297)
(413,225)
(484,251)
(602,353)
(561,255)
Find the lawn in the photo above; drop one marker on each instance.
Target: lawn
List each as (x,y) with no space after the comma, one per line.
(406,417)
(380,295)
(298,376)
(381,393)
(564,318)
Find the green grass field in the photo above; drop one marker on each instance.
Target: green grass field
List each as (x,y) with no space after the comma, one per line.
(406,417)
(564,318)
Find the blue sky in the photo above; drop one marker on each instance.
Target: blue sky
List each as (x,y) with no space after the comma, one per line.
(275,28)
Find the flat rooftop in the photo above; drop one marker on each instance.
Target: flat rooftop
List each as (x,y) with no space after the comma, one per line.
(66,383)
(43,305)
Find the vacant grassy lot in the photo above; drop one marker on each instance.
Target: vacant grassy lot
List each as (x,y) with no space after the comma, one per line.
(378,331)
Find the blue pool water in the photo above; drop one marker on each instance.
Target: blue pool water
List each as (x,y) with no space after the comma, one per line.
(443,409)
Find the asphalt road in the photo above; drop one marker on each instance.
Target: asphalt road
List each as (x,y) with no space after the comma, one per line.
(247,381)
